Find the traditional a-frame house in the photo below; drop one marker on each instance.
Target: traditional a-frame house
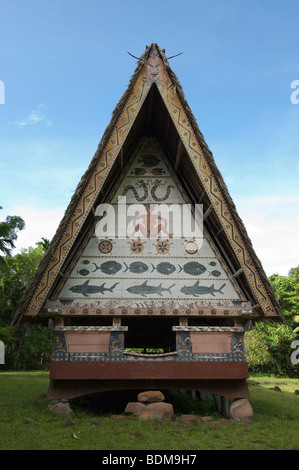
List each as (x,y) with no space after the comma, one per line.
(186,302)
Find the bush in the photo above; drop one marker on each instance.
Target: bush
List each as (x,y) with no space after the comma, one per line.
(257,351)
(268,349)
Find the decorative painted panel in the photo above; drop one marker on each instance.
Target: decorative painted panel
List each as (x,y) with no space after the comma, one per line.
(203,348)
(92,341)
(147,272)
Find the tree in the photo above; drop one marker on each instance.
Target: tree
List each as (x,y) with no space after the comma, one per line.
(44,243)
(268,345)
(8,234)
(26,346)
(15,276)
(286,289)
(257,352)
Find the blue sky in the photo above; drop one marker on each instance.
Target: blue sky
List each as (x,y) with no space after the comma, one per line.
(64,66)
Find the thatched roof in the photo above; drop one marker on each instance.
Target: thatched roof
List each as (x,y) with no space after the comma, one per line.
(155,101)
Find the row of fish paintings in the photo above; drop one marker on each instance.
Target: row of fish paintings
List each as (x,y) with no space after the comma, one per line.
(183,268)
(148,164)
(150,288)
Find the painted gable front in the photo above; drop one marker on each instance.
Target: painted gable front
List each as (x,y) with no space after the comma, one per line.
(147,274)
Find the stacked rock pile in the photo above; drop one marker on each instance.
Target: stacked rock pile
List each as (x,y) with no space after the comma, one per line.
(151,405)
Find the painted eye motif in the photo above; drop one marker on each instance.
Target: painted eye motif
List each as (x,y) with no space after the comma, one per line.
(105,246)
(191,248)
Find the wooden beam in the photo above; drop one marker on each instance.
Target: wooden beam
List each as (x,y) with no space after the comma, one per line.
(207,212)
(202,196)
(218,233)
(122,158)
(149,113)
(178,155)
(237,273)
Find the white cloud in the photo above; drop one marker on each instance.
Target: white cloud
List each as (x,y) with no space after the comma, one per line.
(273,227)
(39,223)
(35,117)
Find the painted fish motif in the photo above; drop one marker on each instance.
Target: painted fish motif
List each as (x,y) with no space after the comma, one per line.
(164,268)
(144,289)
(197,290)
(149,160)
(83,272)
(193,268)
(136,267)
(216,273)
(109,267)
(138,171)
(158,171)
(86,290)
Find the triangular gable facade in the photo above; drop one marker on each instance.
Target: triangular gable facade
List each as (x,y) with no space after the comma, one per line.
(152,112)
(157,272)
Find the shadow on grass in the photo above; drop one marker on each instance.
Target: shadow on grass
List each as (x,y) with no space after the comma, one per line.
(115,402)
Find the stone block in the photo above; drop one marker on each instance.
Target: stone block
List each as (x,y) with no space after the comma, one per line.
(151,396)
(135,407)
(158,411)
(241,410)
(61,408)
(189,419)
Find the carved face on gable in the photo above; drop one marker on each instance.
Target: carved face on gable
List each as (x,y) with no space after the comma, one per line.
(154,65)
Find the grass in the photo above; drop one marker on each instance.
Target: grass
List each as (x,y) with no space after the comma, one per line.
(27,423)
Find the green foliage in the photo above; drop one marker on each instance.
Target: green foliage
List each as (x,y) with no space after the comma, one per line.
(257,351)
(44,243)
(15,276)
(35,349)
(286,289)
(26,348)
(8,234)
(268,348)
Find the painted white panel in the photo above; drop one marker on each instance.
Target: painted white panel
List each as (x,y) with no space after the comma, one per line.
(147,272)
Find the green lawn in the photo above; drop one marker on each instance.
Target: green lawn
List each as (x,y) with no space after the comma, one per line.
(26,423)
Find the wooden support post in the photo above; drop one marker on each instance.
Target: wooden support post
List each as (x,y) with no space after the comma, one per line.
(183,321)
(116,322)
(222,405)
(217,400)
(59,321)
(225,407)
